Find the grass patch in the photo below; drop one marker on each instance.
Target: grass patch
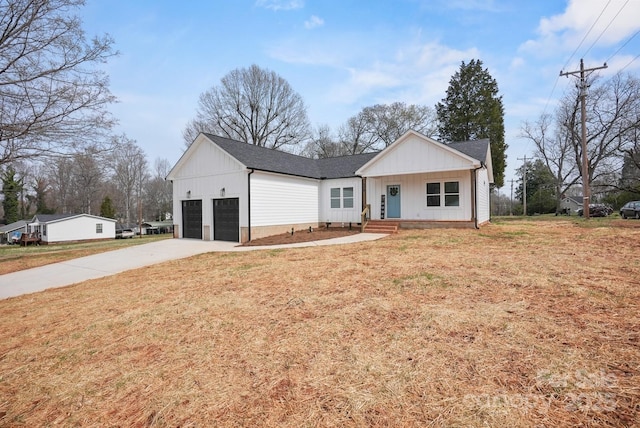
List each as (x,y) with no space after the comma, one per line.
(541,329)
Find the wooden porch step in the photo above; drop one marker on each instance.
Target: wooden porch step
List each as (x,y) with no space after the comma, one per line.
(378,226)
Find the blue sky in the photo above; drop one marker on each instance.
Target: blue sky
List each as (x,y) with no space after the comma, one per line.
(343,55)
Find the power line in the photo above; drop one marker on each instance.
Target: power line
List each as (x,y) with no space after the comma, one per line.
(605,28)
(630,62)
(587,34)
(621,47)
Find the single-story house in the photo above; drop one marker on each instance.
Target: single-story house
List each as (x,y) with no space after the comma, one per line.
(570,204)
(71,227)
(157,227)
(232,191)
(13,230)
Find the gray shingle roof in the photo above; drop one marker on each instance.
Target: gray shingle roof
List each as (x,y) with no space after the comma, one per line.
(46,218)
(263,159)
(13,226)
(476,149)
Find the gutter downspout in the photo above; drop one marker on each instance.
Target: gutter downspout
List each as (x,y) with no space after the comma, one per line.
(249,204)
(475,195)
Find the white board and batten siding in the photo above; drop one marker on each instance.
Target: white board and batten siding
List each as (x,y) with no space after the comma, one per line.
(413,196)
(280,199)
(202,175)
(342,215)
(483,190)
(80,228)
(415,156)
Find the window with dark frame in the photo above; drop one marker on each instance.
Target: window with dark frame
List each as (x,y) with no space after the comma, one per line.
(433,194)
(451,194)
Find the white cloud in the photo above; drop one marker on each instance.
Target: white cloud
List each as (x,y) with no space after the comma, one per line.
(280,4)
(612,22)
(313,22)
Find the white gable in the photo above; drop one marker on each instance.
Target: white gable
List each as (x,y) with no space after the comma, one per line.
(414,153)
(204,158)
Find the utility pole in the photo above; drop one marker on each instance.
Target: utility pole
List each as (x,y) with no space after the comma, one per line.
(524,185)
(511,199)
(586,189)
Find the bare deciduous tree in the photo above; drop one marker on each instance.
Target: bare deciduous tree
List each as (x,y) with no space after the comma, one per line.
(390,122)
(159,192)
(378,126)
(52,95)
(612,120)
(87,180)
(129,167)
(253,105)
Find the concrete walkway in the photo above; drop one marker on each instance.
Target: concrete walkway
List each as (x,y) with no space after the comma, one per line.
(113,262)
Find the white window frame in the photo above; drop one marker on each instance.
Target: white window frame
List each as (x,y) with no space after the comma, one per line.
(340,198)
(335,197)
(99,228)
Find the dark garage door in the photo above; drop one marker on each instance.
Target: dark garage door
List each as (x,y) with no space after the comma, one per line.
(226,219)
(192,219)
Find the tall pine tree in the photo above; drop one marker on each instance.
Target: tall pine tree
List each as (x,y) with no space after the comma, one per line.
(473,110)
(11,188)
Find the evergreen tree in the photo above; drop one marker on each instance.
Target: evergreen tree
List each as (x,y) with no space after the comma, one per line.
(472,110)
(106,208)
(11,187)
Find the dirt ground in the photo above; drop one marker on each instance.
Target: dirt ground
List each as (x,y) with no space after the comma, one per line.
(318,234)
(523,323)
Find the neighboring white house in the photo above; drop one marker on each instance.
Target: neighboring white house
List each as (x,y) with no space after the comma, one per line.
(10,233)
(233,191)
(71,227)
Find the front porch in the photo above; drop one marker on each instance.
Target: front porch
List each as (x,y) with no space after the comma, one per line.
(392,226)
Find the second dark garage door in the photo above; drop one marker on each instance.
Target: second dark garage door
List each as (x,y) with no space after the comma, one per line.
(226,219)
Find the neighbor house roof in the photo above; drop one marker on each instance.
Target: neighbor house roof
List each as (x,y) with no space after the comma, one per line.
(51,218)
(13,226)
(269,160)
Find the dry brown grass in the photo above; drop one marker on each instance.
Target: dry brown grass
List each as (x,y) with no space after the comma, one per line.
(519,324)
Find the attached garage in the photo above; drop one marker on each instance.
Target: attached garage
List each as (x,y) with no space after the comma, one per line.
(226,219)
(192,219)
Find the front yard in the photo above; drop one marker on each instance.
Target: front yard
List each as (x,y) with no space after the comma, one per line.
(522,323)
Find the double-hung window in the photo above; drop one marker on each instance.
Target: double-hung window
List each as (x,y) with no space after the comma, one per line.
(445,194)
(98,227)
(335,197)
(451,194)
(433,194)
(342,197)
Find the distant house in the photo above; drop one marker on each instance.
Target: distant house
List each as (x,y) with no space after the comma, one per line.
(71,227)
(232,191)
(570,204)
(9,231)
(157,227)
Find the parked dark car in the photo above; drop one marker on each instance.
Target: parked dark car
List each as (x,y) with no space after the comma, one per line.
(630,210)
(597,210)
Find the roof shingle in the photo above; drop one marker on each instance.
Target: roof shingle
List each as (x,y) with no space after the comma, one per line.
(269,160)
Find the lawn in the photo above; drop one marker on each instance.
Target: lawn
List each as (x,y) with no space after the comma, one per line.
(14,257)
(522,323)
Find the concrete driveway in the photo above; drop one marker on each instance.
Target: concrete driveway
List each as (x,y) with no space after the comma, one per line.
(113,262)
